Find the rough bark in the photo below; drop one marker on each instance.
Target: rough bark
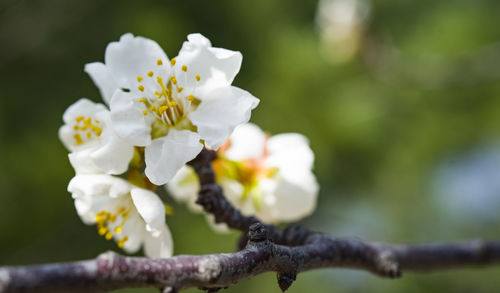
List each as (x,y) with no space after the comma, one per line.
(264,248)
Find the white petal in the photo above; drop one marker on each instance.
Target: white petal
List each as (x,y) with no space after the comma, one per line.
(135,230)
(290,150)
(293,198)
(159,247)
(113,155)
(246,142)
(150,208)
(100,184)
(135,56)
(184,187)
(217,67)
(83,163)
(103,79)
(166,155)
(220,112)
(128,121)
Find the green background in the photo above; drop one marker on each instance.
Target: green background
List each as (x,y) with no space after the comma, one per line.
(406,133)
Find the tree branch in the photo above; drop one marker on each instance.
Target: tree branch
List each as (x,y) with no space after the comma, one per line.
(267,249)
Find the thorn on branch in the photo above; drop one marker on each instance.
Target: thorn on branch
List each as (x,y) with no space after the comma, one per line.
(285,280)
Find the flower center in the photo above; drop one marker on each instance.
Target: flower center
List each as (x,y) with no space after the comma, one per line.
(86,129)
(171,102)
(108,223)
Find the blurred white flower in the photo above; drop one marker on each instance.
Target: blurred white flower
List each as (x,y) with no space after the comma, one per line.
(130,215)
(91,140)
(269,177)
(171,107)
(341,25)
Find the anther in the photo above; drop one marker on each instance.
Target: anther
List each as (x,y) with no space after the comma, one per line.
(102,230)
(180,89)
(108,236)
(79,118)
(76,127)
(122,241)
(173,79)
(159,62)
(172,104)
(184,68)
(172,61)
(163,109)
(197,77)
(153,108)
(118,230)
(78,139)
(145,112)
(190,98)
(150,74)
(139,78)
(142,100)
(141,88)
(89,134)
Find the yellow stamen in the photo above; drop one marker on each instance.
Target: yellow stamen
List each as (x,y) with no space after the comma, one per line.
(141,88)
(97,121)
(139,78)
(145,112)
(78,139)
(184,68)
(153,108)
(172,104)
(76,127)
(79,118)
(159,62)
(163,109)
(172,61)
(197,77)
(122,241)
(157,94)
(190,98)
(180,89)
(108,236)
(150,74)
(173,79)
(89,134)
(102,230)
(87,122)
(142,100)
(118,230)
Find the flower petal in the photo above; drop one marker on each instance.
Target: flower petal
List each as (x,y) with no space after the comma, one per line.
(128,121)
(103,79)
(166,155)
(290,150)
(159,247)
(184,187)
(217,67)
(150,208)
(82,162)
(135,56)
(246,142)
(113,155)
(220,112)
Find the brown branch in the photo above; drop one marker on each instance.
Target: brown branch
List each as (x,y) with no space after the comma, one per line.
(268,249)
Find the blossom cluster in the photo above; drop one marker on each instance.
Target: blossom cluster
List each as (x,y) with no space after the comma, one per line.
(159,113)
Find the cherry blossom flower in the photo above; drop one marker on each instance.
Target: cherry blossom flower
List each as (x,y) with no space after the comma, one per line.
(172,107)
(269,177)
(130,215)
(92,142)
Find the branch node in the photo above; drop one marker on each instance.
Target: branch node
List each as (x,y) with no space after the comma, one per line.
(285,280)
(257,233)
(386,263)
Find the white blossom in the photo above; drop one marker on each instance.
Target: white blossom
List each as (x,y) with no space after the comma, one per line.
(88,135)
(130,215)
(172,107)
(269,177)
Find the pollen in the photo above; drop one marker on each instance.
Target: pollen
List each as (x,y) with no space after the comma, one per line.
(157,94)
(144,112)
(89,134)
(108,236)
(141,88)
(79,118)
(102,231)
(153,108)
(76,127)
(159,62)
(180,89)
(142,100)
(150,74)
(190,98)
(78,138)
(173,79)
(163,109)
(122,241)
(173,61)
(197,77)
(118,230)
(172,104)
(184,68)
(139,78)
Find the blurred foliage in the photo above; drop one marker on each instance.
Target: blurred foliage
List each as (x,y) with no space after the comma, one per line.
(422,92)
